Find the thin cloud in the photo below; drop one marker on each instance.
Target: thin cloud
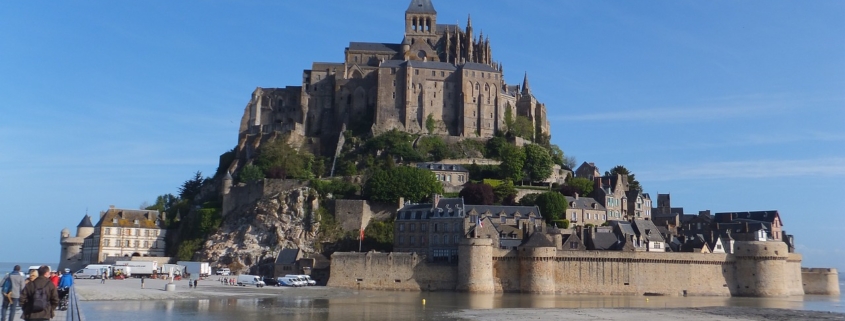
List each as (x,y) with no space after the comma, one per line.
(676,114)
(834,166)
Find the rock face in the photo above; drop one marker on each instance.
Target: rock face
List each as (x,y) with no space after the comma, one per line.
(257,232)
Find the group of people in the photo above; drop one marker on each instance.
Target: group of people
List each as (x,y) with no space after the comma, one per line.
(38,295)
(227,281)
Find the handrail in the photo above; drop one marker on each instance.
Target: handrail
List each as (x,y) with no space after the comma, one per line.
(74,313)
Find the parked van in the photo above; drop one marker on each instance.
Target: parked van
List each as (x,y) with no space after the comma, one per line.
(244,280)
(100,267)
(224,271)
(87,274)
(289,281)
(305,278)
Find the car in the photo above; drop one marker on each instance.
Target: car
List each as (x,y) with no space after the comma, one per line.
(288,281)
(271,282)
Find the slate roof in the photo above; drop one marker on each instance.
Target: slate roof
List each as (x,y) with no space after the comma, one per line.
(447,207)
(508,211)
(127,218)
(647,229)
(432,65)
(450,28)
(392,63)
(624,227)
(761,216)
(584,203)
(420,6)
(478,66)
(509,230)
(376,47)
(288,256)
(605,241)
(86,222)
(539,239)
(442,167)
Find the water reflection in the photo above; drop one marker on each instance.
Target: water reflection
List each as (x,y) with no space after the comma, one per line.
(373,305)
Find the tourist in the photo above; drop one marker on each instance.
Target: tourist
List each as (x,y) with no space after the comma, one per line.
(65,282)
(12,294)
(103,278)
(54,278)
(32,276)
(36,307)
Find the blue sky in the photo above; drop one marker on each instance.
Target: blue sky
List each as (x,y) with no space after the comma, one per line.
(727,105)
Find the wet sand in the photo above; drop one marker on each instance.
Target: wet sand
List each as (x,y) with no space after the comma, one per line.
(687,314)
(130,290)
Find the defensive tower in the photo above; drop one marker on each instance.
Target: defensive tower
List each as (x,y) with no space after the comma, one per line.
(475,266)
(761,269)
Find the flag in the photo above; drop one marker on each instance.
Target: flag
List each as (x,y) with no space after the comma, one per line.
(478,218)
(362,235)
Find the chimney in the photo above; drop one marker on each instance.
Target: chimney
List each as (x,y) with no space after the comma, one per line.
(435,200)
(576,195)
(401,202)
(102,214)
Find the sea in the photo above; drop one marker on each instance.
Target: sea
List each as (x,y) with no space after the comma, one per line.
(380,305)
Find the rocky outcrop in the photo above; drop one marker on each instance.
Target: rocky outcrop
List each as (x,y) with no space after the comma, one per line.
(256,232)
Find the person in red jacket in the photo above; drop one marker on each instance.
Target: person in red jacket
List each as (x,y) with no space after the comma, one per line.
(54,277)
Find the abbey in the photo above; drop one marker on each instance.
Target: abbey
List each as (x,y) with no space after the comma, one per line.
(439,74)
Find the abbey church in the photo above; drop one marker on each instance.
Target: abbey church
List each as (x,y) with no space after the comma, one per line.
(438,74)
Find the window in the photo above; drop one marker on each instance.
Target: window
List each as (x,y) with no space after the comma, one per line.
(413,240)
(422,227)
(433,73)
(401,227)
(146,244)
(146,232)
(413,227)
(435,227)
(127,232)
(456,239)
(394,94)
(106,242)
(401,240)
(458,227)
(126,244)
(108,231)
(422,240)
(434,240)
(416,72)
(442,74)
(657,245)
(137,243)
(573,245)
(445,239)
(503,219)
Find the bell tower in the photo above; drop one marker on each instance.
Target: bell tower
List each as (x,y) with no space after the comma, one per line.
(421,30)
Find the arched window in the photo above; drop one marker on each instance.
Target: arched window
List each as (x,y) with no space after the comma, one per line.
(445,239)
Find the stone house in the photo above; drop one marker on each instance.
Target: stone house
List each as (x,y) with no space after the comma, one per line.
(771,219)
(452,177)
(609,191)
(288,262)
(435,229)
(124,233)
(649,235)
(572,242)
(585,210)
(588,170)
(639,205)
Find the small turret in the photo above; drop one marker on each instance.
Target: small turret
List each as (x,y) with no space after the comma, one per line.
(85,227)
(526,88)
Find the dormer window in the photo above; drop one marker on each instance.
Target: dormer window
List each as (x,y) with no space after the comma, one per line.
(136,222)
(114,220)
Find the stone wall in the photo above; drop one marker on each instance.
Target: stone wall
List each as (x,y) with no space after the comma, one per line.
(390,271)
(356,214)
(820,281)
(762,271)
(793,275)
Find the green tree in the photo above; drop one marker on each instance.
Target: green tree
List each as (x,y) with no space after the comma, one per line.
(509,120)
(250,173)
(579,185)
(318,167)
(633,184)
(538,163)
(429,123)
(393,143)
(434,148)
(191,188)
(279,160)
(379,235)
(523,127)
(495,146)
(529,200)
(552,205)
(414,184)
(557,155)
(504,193)
(513,162)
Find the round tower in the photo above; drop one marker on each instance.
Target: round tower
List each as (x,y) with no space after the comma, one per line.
(85,227)
(761,269)
(475,266)
(537,269)
(71,249)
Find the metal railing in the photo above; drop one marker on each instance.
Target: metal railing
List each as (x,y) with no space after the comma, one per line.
(74,313)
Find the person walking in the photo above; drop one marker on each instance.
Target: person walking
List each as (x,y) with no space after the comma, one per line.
(54,277)
(103,278)
(39,298)
(12,294)
(65,282)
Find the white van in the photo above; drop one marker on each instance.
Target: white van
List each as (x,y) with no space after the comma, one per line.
(87,274)
(289,281)
(244,280)
(224,271)
(100,267)
(305,278)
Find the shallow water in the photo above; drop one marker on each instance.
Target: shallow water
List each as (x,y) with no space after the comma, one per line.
(373,305)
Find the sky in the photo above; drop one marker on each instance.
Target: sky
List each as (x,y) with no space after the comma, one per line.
(727,105)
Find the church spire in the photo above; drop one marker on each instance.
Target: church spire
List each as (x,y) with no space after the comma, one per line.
(421,6)
(526,89)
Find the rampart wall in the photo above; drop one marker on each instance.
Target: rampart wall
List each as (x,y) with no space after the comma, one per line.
(820,281)
(391,271)
(764,269)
